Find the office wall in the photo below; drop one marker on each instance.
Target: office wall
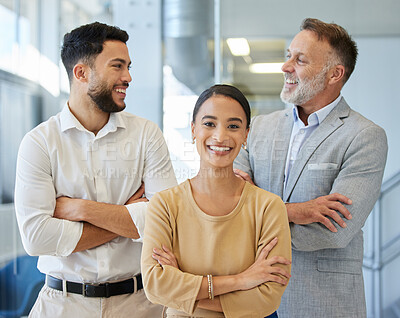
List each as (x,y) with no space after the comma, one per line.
(373,90)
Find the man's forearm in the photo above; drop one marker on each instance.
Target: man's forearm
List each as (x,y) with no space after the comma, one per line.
(111,217)
(93,236)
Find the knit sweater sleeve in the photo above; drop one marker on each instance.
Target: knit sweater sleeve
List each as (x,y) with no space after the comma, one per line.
(265,298)
(165,285)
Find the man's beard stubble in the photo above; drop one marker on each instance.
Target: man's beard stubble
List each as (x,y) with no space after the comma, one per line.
(307,89)
(102,97)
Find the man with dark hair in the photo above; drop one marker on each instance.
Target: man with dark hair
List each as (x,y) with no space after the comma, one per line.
(326,161)
(79,190)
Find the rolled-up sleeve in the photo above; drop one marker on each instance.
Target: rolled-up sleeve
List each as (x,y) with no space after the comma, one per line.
(137,212)
(35,200)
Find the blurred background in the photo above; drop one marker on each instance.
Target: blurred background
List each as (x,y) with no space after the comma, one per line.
(179,48)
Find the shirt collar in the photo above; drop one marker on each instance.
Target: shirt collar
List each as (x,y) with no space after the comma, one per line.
(69,121)
(317,117)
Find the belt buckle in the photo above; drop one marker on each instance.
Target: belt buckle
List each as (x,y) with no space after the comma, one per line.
(85,287)
(135,284)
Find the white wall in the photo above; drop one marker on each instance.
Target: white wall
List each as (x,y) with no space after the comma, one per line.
(142,21)
(373,91)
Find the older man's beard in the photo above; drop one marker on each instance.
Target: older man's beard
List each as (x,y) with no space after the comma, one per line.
(102,97)
(306,89)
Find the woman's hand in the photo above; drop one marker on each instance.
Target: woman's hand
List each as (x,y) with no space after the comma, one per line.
(263,270)
(165,257)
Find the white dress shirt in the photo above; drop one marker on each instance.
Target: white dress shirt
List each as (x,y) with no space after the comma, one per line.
(62,158)
(300,132)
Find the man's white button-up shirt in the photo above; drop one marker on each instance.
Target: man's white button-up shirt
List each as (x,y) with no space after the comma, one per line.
(61,158)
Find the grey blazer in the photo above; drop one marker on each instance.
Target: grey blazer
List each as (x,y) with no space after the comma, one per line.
(345,154)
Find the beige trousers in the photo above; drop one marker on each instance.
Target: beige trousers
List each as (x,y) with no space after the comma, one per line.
(53,303)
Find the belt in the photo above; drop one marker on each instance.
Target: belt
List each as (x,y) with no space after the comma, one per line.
(129,286)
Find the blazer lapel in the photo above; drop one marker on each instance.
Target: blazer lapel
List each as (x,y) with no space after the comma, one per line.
(324,130)
(279,151)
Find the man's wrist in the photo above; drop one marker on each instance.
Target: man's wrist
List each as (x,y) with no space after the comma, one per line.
(289,207)
(83,208)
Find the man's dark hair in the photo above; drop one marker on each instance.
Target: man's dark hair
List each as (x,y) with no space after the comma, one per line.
(227,91)
(340,41)
(86,42)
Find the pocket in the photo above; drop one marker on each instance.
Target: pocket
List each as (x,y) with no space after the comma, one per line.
(322,166)
(345,266)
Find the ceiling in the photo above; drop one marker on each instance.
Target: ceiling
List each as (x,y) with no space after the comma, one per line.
(268,26)
(256,85)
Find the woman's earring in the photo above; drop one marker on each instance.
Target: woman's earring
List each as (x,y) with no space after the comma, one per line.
(193,139)
(244,145)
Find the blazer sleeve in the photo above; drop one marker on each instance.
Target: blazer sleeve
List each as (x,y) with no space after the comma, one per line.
(242,162)
(165,285)
(264,299)
(360,179)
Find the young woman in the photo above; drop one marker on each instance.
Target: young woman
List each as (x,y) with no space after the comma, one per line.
(217,246)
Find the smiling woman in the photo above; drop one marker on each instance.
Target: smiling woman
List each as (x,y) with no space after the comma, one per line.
(220,129)
(192,229)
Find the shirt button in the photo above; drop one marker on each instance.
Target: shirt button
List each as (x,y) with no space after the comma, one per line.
(102,264)
(302,131)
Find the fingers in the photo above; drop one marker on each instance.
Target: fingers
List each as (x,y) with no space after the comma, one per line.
(165,256)
(343,210)
(279,271)
(139,193)
(339,207)
(161,260)
(336,217)
(336,198)
(278,279)
(328,224)
(169,252)
(137,196)
(332,206)
(278,260)
(237,174)
(333,210)
(243,175)
(161,256)
(340,197)
(275,273)
(267,248)
(160,252)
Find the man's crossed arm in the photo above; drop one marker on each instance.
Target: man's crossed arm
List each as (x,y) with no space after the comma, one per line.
(316,210)
(102,222)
